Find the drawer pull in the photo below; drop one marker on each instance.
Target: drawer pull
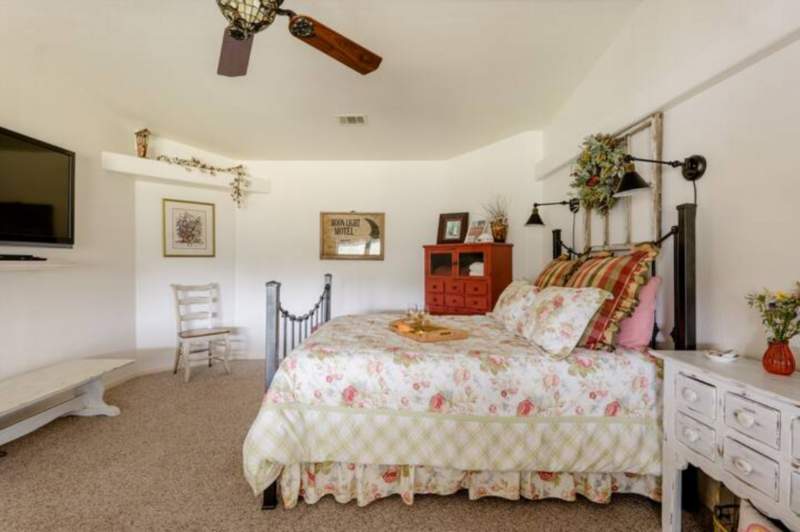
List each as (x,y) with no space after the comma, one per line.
(742,465)
(691,435)
(689,395)
(744,418)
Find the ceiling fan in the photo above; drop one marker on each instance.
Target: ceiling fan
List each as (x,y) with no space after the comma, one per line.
(248,17)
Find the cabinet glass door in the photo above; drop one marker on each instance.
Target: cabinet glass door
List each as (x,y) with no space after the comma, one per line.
(471,263)
(441,264)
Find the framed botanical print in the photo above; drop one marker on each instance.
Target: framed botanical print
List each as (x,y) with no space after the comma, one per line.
(352,235)
(188,228)
(452,228)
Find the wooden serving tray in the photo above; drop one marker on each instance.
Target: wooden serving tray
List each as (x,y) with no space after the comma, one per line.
(428,333)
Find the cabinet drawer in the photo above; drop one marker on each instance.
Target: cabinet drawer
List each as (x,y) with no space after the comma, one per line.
(477,303)
(751,467)
(454,301)
(435,300)
(696,436)
(794,499)
(796,438)
(435,285)
(454,287)
(696,397)
(753,419)
(475,288)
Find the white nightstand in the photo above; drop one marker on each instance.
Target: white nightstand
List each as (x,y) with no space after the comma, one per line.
(739,425)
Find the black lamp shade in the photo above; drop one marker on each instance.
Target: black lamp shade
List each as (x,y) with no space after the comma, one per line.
(534,218)
(630,184)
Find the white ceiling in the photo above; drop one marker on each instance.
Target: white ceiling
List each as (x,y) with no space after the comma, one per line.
(456,75)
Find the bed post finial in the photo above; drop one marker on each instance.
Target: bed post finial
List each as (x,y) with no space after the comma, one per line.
(271,335)
(685,332)
(328,286)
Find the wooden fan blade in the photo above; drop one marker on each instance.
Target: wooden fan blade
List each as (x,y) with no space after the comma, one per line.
(334,44)
(234,55)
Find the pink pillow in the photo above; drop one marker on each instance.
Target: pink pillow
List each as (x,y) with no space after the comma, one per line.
(636,331)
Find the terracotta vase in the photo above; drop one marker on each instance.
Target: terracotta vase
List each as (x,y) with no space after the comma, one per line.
(779,359)
(499,231)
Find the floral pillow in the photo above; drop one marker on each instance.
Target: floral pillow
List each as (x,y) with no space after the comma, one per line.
(513,306)
(560,316)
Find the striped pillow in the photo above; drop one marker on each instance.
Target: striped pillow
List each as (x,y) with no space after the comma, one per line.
(557,273)
(623,276)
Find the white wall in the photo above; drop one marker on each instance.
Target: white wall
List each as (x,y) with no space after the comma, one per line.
(745,123)
(87,309)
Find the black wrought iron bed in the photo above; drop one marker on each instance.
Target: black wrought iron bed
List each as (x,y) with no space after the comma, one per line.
(285,330)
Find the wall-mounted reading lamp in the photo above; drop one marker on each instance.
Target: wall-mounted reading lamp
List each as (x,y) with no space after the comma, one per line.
(692,169)
(535,219)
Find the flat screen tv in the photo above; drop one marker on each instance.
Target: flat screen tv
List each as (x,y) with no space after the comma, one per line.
(37,192)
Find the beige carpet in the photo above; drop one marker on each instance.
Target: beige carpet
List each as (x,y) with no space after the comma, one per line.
(172,461)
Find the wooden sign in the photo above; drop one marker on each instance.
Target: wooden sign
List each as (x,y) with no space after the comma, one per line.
(351,235)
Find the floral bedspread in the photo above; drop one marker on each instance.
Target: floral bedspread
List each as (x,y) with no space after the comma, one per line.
(354,392)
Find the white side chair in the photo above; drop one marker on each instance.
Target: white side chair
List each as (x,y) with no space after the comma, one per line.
(197,310)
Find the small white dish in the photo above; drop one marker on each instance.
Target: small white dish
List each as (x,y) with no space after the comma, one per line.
(727,355)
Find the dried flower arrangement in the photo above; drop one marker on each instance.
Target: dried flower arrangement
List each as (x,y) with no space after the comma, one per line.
(497,212)
(240,175)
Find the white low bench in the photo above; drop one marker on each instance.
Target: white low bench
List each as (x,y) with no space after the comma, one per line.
(84,378)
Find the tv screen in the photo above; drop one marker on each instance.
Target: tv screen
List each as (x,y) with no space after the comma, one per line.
(37,192)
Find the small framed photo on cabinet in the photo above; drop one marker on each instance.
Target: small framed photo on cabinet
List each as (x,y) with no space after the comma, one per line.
(452,228)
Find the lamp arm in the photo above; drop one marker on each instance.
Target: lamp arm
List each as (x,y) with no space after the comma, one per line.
(551,203)
(674,164)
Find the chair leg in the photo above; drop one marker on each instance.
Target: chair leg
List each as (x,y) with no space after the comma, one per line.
(210,352)
(187,366)
(177,359)
(227,354)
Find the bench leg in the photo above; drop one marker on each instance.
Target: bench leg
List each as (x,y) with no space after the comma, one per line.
(93,403)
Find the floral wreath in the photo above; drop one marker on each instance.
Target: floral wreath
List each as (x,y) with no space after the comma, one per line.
(598,171)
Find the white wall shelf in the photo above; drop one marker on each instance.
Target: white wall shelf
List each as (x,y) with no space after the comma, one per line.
(33,265)
(154,170)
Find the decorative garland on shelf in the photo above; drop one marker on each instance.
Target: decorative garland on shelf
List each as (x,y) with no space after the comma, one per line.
(240,175)
(598,171)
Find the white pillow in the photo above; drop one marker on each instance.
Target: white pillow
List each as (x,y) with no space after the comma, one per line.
(513,306)
(750,520)
(560,315)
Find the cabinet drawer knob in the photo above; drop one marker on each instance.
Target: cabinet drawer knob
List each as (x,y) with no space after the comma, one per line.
(689,395)
(744,418)
(691,435)
(742,465)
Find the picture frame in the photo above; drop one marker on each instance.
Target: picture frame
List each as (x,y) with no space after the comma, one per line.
(452,228)
(476,229)
(188,228)
(352,235)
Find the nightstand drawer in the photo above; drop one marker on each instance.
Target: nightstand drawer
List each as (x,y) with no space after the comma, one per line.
(435,285)
(454,287)
(454,301)
(435,300)
(477,303)
(753,419)
(751,467)
(696,397)
(796,438)
(794,499)
(476,288)
(696,436)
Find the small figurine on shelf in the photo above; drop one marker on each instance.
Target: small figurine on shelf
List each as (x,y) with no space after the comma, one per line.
(142,139)
(780,314)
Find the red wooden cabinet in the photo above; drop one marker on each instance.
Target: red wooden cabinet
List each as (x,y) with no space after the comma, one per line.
(465,278)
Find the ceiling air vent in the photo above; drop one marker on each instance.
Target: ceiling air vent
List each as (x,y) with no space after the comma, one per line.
(352,120)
